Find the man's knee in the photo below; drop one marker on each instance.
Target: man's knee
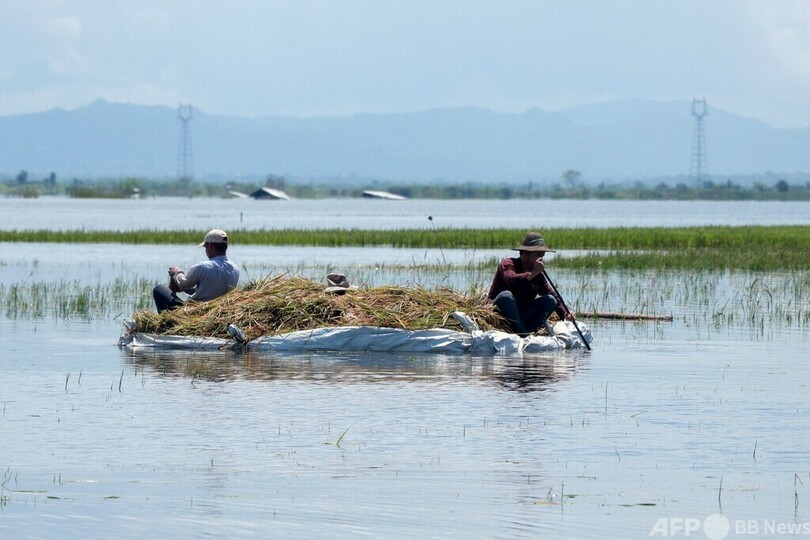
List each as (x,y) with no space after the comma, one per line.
(504,297)
(548,303)
(164,298)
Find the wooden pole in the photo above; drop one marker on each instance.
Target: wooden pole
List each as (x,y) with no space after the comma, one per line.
(563,301)
(624,316)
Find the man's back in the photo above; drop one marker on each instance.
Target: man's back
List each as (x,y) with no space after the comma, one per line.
(213,277)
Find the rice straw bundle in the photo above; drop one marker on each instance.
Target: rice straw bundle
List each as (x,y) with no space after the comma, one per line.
(280,304)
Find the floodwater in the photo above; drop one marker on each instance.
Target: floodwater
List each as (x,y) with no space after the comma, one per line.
(675,429)
(59,213)
(101,442)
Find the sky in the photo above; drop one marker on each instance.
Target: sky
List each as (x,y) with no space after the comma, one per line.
(256,58)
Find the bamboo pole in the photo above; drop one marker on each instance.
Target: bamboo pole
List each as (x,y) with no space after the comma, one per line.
(587,346)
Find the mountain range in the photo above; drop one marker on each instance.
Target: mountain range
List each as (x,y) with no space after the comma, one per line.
(620,140)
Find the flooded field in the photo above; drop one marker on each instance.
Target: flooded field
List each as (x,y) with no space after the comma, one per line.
(700,422)
(57,213)
(102,442)
(661,420)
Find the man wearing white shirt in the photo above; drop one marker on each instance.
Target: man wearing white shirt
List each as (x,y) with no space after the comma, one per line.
(205,280)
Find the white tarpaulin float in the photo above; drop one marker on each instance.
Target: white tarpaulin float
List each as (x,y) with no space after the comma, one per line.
(374,338)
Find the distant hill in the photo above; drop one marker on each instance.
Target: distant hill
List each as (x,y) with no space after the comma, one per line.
(620,140)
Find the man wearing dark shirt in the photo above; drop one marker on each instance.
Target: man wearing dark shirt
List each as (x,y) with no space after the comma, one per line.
(521,291)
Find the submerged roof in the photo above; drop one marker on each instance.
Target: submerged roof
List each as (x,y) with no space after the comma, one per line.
(269,193)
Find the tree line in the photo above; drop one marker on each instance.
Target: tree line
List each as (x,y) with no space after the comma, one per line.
(570,187)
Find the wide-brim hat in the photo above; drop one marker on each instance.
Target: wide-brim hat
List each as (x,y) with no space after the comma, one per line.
(338,284)
(215,236)
(533,241)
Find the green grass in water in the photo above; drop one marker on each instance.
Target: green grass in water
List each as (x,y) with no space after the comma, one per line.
(752,248)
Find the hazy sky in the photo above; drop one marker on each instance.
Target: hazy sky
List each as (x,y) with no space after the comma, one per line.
(298,57)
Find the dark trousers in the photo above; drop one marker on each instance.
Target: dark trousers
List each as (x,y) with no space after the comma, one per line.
(525,319)
(165,298)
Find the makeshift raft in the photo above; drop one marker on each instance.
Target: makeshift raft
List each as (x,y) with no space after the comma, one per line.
(292,314)
(372,339)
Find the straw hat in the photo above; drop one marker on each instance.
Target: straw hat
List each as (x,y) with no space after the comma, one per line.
(338,284)
(533,241)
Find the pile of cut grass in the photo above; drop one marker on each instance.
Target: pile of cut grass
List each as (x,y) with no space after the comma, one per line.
(280,304)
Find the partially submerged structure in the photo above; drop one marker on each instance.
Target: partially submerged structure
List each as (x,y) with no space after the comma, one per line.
(269,194)
(370,194)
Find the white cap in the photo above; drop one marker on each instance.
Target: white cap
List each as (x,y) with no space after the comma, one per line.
(215,236)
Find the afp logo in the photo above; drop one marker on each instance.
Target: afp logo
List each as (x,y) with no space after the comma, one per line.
(714,527)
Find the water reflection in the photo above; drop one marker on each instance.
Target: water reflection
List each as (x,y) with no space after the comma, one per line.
(538,373)
(528,374)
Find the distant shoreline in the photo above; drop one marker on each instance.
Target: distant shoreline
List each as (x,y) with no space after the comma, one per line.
(780,190)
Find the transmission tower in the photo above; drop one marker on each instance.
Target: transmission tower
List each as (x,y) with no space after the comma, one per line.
(185,166)
(698,168)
